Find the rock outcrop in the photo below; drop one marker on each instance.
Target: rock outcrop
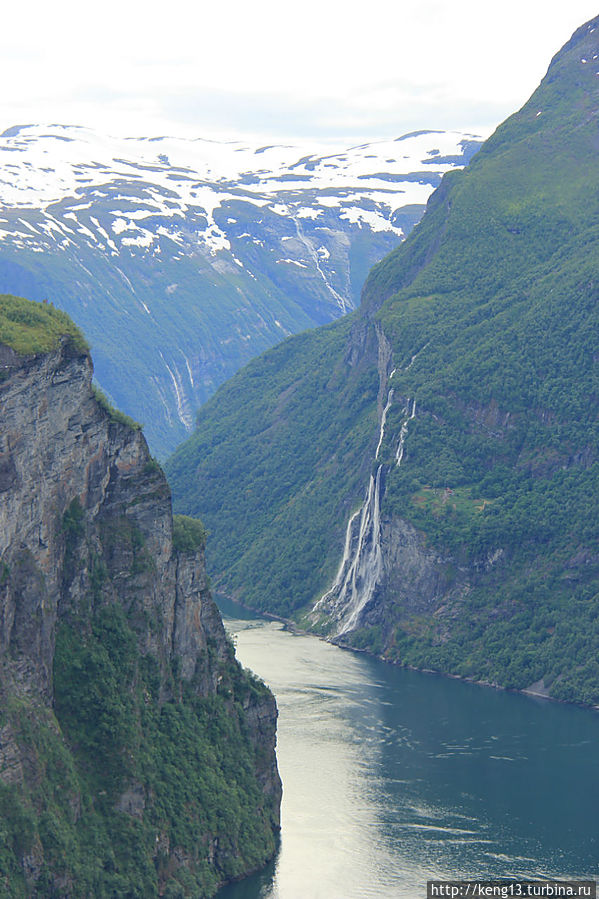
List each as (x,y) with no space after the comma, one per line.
(102,615)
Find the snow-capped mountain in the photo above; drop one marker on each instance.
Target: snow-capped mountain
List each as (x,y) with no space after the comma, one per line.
(183,259)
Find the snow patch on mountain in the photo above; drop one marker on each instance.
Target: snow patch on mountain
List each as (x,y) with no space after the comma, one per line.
(41,166)
(182,259)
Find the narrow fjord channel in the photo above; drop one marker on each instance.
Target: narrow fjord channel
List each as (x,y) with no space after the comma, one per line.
(393,777)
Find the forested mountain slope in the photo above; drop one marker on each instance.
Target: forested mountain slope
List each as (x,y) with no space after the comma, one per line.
(420,479)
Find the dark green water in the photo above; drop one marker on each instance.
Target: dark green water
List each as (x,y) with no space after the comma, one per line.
(393,777)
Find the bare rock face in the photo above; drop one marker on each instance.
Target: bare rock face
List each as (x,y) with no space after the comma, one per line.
(86,526)
(418,576)
(85,491)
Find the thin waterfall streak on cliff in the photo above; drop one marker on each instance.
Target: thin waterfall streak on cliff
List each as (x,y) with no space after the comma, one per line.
(383,420)
(342,303)
(364,529)
(362,564)
(368,562)
(403,433)
(346,573)
(414,357)
(349,536)
(346,579)
(347,547)
(180,397)
(363,512)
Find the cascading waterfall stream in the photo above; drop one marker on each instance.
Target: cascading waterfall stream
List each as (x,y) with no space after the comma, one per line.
(403,432)
(342,303)
(384,419)
(362,561)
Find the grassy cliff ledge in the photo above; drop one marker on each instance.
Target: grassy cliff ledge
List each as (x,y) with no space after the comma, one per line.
(29,328)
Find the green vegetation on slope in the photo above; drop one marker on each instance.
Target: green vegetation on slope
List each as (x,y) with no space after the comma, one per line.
(29,327)
(189,534)
(114,413)
(494,297)
(275,476)
(136,756)
(502,457)
(191,754)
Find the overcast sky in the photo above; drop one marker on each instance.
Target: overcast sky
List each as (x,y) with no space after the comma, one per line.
(326,69)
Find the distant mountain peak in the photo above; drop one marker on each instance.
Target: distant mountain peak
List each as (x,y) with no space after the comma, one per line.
(197,254)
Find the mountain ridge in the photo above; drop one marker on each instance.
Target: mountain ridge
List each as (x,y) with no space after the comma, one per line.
(455,400)
(200,254)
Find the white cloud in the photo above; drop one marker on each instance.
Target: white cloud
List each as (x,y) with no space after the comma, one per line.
(192,69)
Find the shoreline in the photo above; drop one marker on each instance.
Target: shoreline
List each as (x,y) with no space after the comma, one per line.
(534,691)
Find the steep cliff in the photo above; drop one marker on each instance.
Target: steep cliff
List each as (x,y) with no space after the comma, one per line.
(136,757)
(430,462)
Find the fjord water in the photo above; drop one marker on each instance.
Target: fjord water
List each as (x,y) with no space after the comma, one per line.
(393,777)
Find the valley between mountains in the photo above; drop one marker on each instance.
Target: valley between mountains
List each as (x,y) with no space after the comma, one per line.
(390,437)
(419,479)
(183,259)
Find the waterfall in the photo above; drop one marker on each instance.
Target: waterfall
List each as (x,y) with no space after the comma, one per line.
(414,357)
(383,420)
(362,562)
(404,430)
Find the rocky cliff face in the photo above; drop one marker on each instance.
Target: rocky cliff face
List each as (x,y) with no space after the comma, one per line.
(101,615)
